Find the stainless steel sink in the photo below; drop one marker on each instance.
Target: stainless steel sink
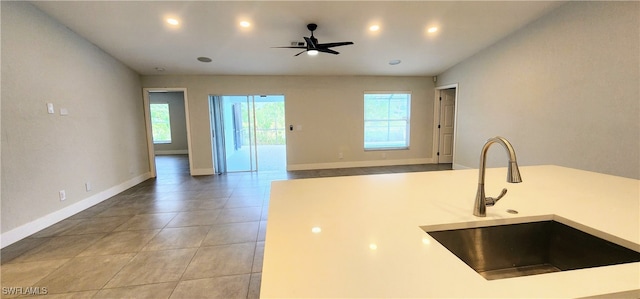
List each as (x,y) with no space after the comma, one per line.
(504,251)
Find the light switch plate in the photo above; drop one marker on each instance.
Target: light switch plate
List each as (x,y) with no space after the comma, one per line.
(50,109)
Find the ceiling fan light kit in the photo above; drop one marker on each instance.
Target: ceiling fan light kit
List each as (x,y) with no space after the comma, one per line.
(311,45)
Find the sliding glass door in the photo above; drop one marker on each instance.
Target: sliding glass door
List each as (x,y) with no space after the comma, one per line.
(248,132)
(234,132)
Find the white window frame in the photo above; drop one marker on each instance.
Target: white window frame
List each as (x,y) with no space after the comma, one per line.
(388,119)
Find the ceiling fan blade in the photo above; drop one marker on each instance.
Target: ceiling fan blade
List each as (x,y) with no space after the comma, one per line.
(310,43)
(328,51)
(300,53)
(330,45)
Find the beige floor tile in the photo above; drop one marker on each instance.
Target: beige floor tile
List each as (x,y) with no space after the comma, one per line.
(146,221)
(221,260)
(244,201)
(153,267)
(57,228)
(72,295)
(232,233)
(195,195)
(207,194)
(17,249)
(194,218)
(147,291)
(94,210)
(59,248)
(226,287)
(177,237)
(85,273)
(27,274)
(254,286)
(165,206)
(96,225)
(121,242)
(265,212)
(188,205)
(258,258)
(262,232)
(257,191)
(239,215)
(210,204)
(120,209)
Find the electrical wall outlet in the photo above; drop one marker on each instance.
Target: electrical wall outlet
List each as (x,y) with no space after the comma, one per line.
(87,186)
(340,156)
(63,195)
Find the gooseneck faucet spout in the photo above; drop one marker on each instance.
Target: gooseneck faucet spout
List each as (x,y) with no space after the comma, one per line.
(513,176)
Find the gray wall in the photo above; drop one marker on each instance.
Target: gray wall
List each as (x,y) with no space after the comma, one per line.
(564,89)
(329,109)
(178,120)
(102,140)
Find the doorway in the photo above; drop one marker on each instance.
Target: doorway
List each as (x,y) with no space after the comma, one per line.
(445,120)
(248,133)
(168,111)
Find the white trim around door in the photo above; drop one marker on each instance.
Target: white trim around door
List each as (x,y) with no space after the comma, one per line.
(436,120)
(147,117)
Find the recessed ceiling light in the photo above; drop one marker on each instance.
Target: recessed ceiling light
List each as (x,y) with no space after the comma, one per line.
(432,29)
(173,21)
(312,52)
(245,24)
(395,62)
(374,28)
(204,59)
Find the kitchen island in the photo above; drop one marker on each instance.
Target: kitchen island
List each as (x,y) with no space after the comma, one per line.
(361,236)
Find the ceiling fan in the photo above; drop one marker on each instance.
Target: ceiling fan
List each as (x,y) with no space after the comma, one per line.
(312,45)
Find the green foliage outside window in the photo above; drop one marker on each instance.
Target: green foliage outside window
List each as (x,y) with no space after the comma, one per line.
(386,121)
(270,127)
(160,123)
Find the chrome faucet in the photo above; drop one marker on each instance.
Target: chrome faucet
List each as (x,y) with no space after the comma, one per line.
(513,176)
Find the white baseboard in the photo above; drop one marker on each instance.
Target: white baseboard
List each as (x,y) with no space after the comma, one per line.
(332,165)
(172,152)
(39,224)
(202,171)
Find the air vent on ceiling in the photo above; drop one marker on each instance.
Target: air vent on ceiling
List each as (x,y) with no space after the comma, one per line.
(297,44)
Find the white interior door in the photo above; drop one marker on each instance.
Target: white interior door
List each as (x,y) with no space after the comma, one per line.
(446,125)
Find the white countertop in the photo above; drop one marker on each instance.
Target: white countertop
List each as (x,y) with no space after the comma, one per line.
(385,212)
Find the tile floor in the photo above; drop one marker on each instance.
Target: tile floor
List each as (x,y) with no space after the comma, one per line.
(175,236)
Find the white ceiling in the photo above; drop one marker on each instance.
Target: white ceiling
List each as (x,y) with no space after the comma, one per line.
(135,32)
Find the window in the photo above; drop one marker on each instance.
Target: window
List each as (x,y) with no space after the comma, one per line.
(386,121)
(160,123)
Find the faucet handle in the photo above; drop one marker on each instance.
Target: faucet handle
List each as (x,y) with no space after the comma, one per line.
(491,201)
